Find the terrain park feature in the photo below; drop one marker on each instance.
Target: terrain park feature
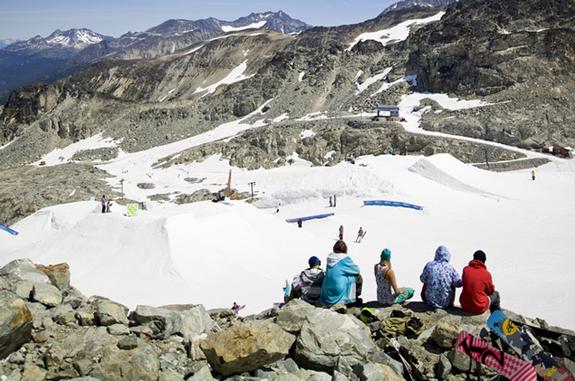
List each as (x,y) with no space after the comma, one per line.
(308,218)
(397,204)
(8,230)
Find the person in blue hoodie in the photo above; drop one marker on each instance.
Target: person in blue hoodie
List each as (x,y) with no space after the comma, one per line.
(342,282)
(439,280)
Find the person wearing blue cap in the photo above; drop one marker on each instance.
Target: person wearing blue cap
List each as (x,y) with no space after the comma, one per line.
(386,282)
(307,285)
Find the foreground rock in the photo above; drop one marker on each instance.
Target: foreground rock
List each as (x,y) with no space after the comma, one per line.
(329,340)
(15,323)
(246,347)
(50,331)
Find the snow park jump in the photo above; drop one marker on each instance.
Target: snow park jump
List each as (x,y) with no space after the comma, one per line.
(8,230)
(308,218)
(392,203)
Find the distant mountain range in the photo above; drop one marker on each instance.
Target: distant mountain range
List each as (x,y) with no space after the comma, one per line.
(57,55)
(75,39)
(7,42)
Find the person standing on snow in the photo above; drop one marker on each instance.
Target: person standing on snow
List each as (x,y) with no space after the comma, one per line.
(330,202)
(341,232)
(439,280)
(308,284)
(386,282)
(334,201)
(533,174)
(342,282)
(478,293)
(360,234)
(104,202)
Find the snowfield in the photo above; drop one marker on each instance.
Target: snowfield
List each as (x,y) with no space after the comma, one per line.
(216,254)
(395,34)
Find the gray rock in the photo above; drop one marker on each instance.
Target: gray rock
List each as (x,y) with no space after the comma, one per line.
(246,347)
(23,270)
(63,314)
(33,373)
(83,366)
(46,294)
(15,323)
(140,364)
(376,372)
(128,343)
(383,358)
(109,312)
(292,316)
(86,317)
(23,289)
(84,379)
(58,274)
(118,330)
(170,375)
(74,298)
(445,334)
(327,338)
(203,374)
(188,321)
(443,368)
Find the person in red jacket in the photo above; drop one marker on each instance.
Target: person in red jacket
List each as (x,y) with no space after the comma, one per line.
(478,293)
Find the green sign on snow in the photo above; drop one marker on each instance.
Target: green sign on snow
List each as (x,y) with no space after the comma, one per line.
(133,210)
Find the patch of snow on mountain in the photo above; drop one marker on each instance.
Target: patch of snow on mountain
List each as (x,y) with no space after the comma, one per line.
(236,75)
(64,155)
(397,33)
(256,25)
(361,87)
(301,75)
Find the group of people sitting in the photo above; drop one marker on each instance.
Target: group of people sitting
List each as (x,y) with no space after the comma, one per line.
(341,283)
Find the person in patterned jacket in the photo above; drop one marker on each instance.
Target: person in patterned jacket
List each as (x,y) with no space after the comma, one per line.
(440,280)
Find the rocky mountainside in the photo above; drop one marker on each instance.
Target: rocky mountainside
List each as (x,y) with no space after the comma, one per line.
(49,331)
(514,57)
(405,4)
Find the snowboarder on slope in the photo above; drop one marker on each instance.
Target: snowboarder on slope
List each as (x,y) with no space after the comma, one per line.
(360,235)
(341,232)
(334,201)
(533,174)
(330,202)
(299,223)
(104,201)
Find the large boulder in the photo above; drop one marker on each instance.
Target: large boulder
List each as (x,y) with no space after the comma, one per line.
(58,274)
(23,270)
(445,334)
(108,312)
(15,323)
(247,346)
(328,338)
(141,364)
(46,294)
(292,316)
(189,321)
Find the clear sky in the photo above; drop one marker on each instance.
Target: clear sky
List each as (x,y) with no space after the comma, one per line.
(23,19)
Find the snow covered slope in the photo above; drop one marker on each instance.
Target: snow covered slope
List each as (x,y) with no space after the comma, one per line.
(216,254)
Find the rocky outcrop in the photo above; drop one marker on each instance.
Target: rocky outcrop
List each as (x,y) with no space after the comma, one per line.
(246,347)
(15,323)
(297,342)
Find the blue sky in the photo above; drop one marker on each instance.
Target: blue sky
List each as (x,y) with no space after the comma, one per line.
(26,18)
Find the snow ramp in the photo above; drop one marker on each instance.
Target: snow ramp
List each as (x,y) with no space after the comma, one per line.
(446,170)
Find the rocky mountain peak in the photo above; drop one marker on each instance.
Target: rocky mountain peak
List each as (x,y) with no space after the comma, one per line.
(404,4)
(76,39)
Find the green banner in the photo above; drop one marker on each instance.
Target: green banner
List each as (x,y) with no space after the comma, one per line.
(133,210)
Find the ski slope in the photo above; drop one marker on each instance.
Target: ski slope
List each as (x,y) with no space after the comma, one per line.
(216,254)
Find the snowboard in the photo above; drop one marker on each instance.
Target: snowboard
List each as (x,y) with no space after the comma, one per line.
(8,230)
(514,368)
(524,343)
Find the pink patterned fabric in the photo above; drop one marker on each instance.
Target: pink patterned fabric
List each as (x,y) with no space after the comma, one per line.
(509,366)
